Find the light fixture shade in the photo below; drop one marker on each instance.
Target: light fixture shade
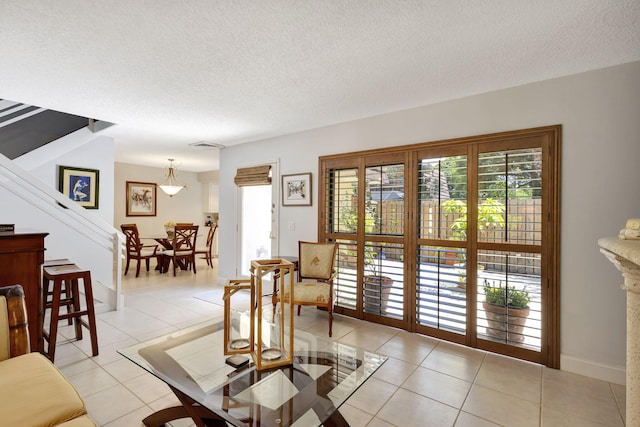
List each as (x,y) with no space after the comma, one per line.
(171,187)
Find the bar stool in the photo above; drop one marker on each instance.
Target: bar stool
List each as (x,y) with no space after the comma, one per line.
(66,293)
(47,289)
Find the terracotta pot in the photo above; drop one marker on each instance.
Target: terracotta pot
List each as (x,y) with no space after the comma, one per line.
(498,319)
(451,258)
(377,290)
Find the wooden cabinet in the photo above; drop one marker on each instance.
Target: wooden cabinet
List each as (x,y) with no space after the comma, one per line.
(21,258)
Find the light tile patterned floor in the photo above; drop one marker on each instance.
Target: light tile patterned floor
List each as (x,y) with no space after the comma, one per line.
(425,382)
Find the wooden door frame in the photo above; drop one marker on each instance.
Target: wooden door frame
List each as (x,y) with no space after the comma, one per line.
(549,354)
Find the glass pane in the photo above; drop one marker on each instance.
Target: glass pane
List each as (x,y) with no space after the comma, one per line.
(509,298)
(441,288)
(256,224)
(384,200)
(383,288)
(346,282)
(342,201)
(442,193)
(510,196)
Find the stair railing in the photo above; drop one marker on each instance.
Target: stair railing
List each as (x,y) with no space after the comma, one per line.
(57,206)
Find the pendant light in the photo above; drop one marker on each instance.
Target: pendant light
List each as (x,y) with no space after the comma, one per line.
(171,185)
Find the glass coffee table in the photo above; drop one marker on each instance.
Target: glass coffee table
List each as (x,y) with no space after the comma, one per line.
(308,393)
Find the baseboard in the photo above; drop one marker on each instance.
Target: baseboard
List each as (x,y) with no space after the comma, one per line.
(612,374)
(105,294)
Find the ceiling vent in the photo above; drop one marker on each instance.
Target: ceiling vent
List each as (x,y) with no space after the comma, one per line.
(206,145)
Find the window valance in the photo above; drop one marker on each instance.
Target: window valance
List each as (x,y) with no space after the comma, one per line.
(257,175)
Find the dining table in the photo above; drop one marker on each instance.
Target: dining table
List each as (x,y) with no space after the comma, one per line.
(164,261)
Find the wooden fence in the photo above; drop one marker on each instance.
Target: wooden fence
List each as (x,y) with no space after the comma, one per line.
(522,225)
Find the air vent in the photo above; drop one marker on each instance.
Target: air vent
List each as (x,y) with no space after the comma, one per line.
(206,145)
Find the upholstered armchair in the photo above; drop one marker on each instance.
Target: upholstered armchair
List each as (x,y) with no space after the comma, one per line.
(316,272)
(33,392)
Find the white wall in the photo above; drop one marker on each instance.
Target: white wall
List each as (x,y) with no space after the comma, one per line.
(186,206)
(210,189)
(599,111)
(81,149)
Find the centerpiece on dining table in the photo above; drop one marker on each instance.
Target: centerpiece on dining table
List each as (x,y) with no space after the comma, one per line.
(170,228)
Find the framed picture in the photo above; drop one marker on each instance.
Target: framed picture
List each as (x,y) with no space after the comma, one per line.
(80,185)
(296,189)
(141,198)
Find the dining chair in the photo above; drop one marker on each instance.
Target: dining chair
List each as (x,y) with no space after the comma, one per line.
(183,248)
(136,250)
(207,250)
(316,272)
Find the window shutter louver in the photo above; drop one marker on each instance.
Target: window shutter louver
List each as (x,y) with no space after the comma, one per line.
(257,175)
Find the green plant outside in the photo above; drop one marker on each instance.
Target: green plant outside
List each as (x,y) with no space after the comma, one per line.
(490,215)
(506,296)
(349,220)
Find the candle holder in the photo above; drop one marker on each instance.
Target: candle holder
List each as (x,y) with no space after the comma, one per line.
(273,343)
(238,325)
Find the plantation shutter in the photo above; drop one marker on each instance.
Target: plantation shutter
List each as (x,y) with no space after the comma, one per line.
(257,175)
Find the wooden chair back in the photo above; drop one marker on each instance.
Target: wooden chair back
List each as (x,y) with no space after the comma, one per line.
(184,239)
(207,250)
(316,261)
(211,235)
(133,237)
(135,249)
(183,252)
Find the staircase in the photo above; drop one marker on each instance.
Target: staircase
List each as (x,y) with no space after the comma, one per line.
(26,136)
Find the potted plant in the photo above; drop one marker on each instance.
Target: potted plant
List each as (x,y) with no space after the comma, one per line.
(507,310)
(377,286)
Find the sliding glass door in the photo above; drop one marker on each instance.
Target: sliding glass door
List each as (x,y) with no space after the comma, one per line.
(456,240)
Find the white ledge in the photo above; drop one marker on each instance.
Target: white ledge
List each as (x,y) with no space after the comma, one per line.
(628,249)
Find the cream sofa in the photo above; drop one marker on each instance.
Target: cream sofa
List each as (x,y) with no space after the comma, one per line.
(33,392)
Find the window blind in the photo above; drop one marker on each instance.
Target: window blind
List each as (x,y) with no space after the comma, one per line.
(257,175)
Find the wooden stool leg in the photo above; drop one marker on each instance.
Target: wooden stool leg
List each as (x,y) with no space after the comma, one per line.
(67,295)
(53,323)
(91,314)
(75,295)
(45,296)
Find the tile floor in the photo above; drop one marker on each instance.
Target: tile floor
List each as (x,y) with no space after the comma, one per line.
(425,382)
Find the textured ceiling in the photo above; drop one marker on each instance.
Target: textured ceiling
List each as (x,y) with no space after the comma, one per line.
(171,73)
